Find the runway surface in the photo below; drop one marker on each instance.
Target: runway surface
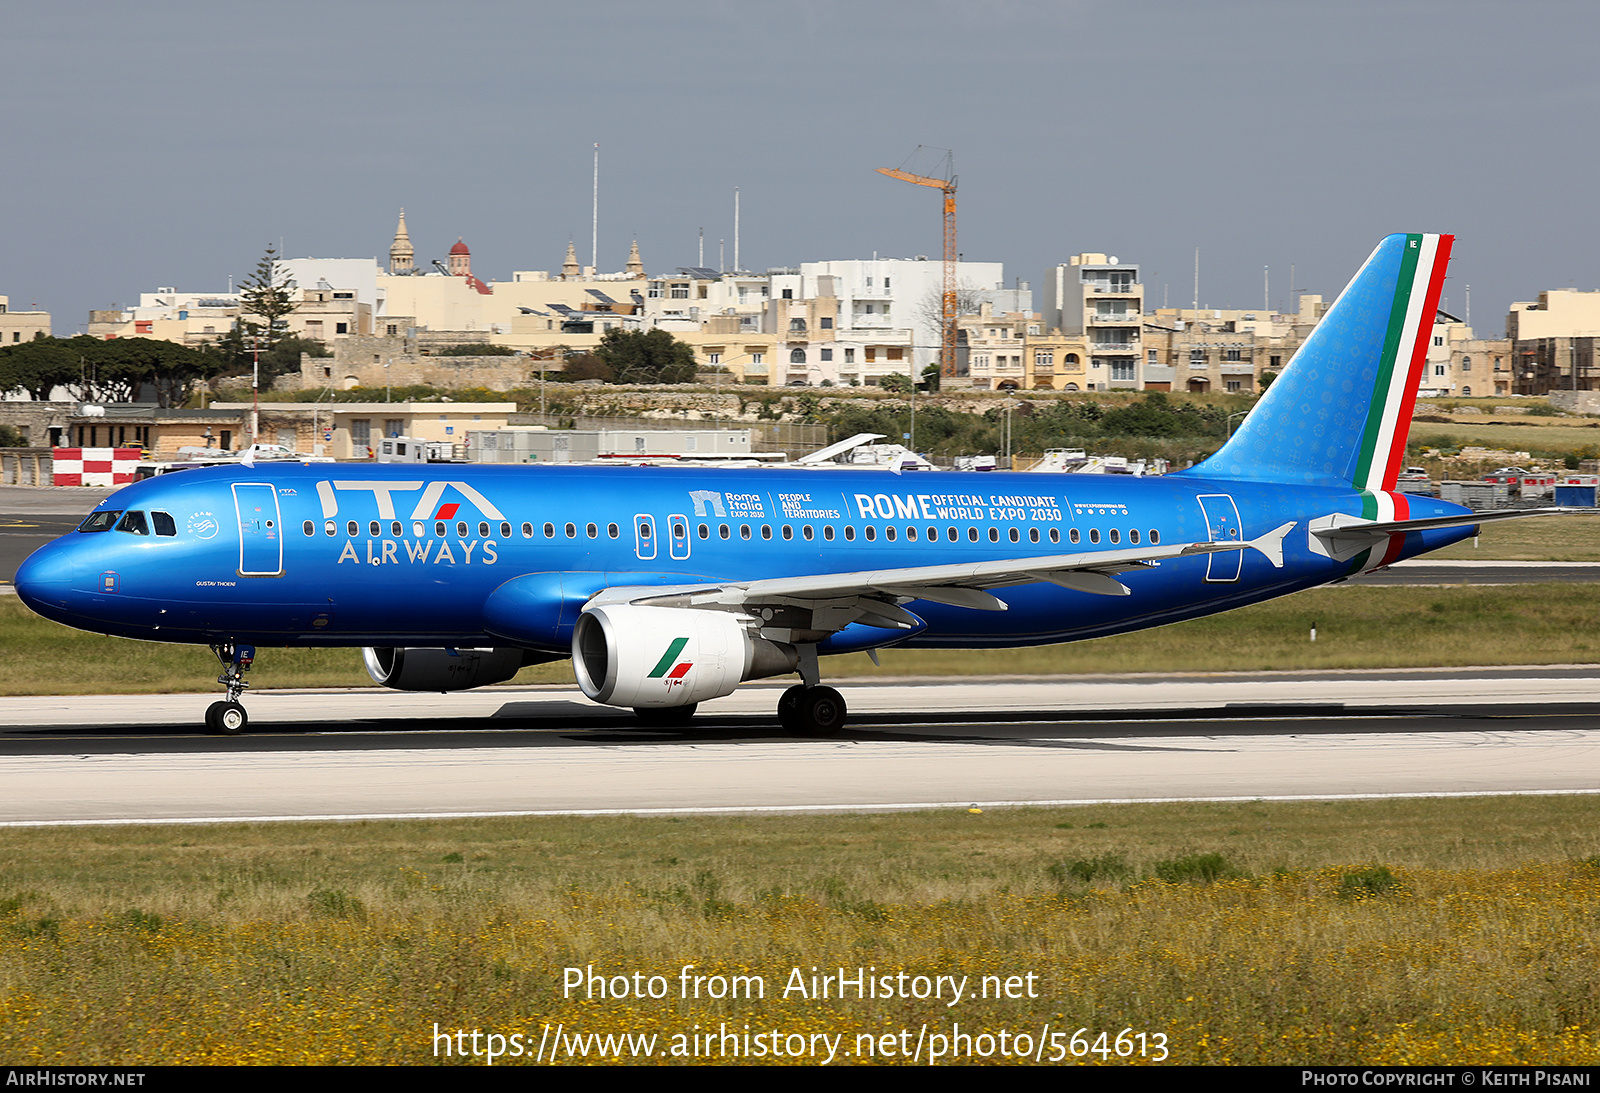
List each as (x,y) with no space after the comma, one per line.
(909,745)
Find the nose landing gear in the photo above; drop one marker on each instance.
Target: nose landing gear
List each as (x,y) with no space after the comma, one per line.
(228,717)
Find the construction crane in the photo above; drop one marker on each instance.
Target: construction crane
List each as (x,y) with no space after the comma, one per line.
(947,309)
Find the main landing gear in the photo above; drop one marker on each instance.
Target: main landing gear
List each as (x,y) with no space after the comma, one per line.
(228,718)
(808,707)
(811,710)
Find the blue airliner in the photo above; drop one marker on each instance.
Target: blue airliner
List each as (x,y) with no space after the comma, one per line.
(669,586)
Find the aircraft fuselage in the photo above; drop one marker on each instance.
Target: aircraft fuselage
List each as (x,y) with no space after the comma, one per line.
(361,555)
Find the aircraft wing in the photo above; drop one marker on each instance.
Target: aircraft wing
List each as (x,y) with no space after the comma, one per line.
(960,585)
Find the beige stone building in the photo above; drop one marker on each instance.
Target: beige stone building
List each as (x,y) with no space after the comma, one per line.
(1553,342)
(1224,349)
(1464,366)
(351,430)
(21,326)
(996,347)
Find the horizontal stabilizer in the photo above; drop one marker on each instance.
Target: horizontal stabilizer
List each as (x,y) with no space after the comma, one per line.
(1341,536)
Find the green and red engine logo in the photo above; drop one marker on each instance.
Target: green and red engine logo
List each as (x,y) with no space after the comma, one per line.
(667,667)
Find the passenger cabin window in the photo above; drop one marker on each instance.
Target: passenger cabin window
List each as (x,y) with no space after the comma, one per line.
(134,523)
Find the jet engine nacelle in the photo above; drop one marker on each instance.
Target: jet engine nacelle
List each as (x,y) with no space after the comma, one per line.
(647,657)
(444,669)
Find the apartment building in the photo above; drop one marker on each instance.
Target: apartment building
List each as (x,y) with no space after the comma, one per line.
(1553,342)
(1097,296)
(21,326)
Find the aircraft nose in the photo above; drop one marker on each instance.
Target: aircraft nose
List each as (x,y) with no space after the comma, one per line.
(45,575)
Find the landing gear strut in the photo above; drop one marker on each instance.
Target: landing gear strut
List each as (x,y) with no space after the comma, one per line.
(228,718)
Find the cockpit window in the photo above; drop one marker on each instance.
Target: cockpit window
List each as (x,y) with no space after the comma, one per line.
(164,523)
(100,521)
(133,522)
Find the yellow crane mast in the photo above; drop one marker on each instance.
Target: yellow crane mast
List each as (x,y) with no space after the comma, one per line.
(947,310)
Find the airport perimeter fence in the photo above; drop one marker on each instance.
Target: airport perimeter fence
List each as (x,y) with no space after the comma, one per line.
(765,436)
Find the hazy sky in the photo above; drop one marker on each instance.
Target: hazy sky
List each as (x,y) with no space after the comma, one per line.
(169,142)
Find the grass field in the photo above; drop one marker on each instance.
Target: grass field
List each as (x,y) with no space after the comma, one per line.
(1452,931)
(1574,538)
(1536,435)
(1357,627)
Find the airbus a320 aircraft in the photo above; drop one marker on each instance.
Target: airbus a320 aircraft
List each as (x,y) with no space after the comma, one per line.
(670,586)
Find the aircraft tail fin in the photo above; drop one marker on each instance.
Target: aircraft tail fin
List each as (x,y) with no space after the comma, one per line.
(1341,411)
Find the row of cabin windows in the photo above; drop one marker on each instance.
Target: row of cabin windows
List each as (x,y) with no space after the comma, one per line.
(418,528)
(134,521)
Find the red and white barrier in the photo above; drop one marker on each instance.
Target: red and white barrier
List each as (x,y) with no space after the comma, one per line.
(94,466)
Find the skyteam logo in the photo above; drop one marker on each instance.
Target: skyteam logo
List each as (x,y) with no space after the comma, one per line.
(669,668)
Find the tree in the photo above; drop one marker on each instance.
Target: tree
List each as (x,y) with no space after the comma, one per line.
(929,311)
(477,349)
(233,353)
(265,294)
(37,367)
(585,366)
(636,356)
(98,370)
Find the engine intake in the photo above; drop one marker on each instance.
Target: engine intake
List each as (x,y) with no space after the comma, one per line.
(649,657)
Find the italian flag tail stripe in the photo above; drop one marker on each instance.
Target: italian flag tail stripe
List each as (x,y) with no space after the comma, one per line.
(1405,352)
(1382,507)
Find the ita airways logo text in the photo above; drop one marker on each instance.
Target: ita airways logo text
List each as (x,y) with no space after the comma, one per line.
(669,667)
